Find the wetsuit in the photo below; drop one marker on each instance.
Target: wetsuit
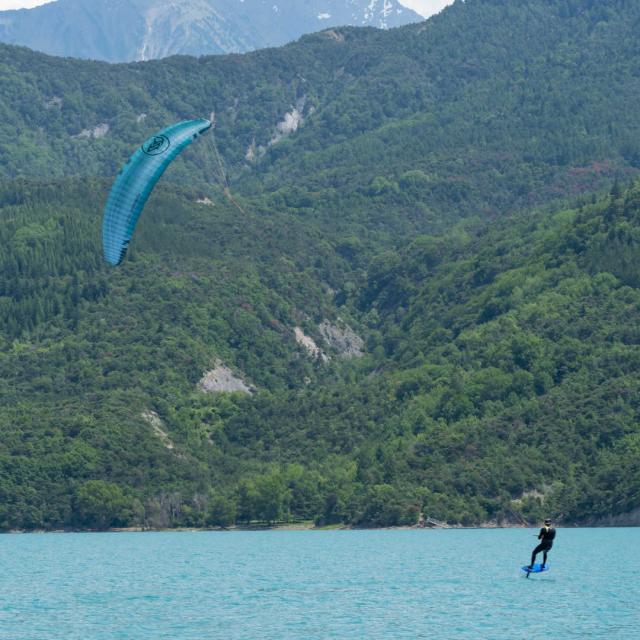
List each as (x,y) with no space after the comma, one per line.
(546,536)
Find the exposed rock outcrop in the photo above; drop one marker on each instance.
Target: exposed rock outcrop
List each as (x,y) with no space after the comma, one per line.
(290,123)
(54,103)
(99,131)
(310,345)
(221,379)
(342,338)
(157,425)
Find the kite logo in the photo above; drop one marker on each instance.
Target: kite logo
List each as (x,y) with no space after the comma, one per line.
(156,146)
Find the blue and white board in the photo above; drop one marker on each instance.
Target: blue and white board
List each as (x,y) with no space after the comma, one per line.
(537,568)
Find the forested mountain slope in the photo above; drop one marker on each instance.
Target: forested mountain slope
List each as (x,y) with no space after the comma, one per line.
(500,379)
(429,189)
(497,106)
(127,30)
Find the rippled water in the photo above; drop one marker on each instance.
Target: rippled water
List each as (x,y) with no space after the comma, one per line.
(332,584)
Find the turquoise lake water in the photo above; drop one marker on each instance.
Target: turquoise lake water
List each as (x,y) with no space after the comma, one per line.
(319,584)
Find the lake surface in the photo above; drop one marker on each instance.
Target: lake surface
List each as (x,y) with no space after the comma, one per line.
(319,584)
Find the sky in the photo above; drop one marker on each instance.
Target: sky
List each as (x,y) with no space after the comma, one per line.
(423,7)
(19,4)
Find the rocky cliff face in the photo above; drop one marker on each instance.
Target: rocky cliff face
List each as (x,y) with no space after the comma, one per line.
(127,30)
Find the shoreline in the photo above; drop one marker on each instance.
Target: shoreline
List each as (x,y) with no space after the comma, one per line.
(306,527)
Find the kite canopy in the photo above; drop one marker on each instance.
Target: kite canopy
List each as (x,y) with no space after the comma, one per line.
(136,181)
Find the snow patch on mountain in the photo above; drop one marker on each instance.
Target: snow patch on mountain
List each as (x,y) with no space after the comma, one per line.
(148,29)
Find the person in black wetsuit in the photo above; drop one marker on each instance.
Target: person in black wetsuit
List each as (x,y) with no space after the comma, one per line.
(546,536)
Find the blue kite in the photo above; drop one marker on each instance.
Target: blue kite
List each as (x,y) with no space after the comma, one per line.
(136,181)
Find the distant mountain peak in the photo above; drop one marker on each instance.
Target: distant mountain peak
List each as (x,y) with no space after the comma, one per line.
(129,30)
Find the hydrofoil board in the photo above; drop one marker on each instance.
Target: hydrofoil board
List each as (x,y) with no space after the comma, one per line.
(537,568)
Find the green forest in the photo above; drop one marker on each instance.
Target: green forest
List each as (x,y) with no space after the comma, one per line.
(461,194)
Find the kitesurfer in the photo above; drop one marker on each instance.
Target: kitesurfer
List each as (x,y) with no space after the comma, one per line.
(546,536)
